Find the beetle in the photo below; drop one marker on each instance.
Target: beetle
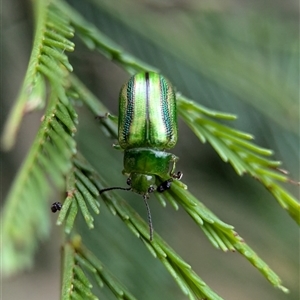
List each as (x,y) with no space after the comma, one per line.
(147,127)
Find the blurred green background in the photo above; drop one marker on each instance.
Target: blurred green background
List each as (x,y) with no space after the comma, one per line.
(240,57)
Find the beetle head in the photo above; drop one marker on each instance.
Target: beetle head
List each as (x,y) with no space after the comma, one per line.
(142,184)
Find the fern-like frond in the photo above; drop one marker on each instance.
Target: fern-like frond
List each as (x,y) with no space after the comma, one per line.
(76,285)
(234,146)
(221,235)
(25,218)
(52,34)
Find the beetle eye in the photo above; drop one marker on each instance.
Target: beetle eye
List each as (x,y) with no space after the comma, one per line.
(128,181)
(151,189)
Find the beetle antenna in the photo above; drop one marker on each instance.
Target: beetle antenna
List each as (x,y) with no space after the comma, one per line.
(149,218)
(114,188)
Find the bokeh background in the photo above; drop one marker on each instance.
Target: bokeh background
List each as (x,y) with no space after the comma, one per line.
(240,57)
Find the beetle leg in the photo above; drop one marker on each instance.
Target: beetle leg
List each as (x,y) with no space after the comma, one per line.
(107,116)
(117,147)
(173,160)
(166,185)
(174,175)
(112,117)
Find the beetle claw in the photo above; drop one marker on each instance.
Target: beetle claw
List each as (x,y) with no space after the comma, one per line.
(177,176)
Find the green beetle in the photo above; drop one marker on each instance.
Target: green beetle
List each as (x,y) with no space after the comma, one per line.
(147,126)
